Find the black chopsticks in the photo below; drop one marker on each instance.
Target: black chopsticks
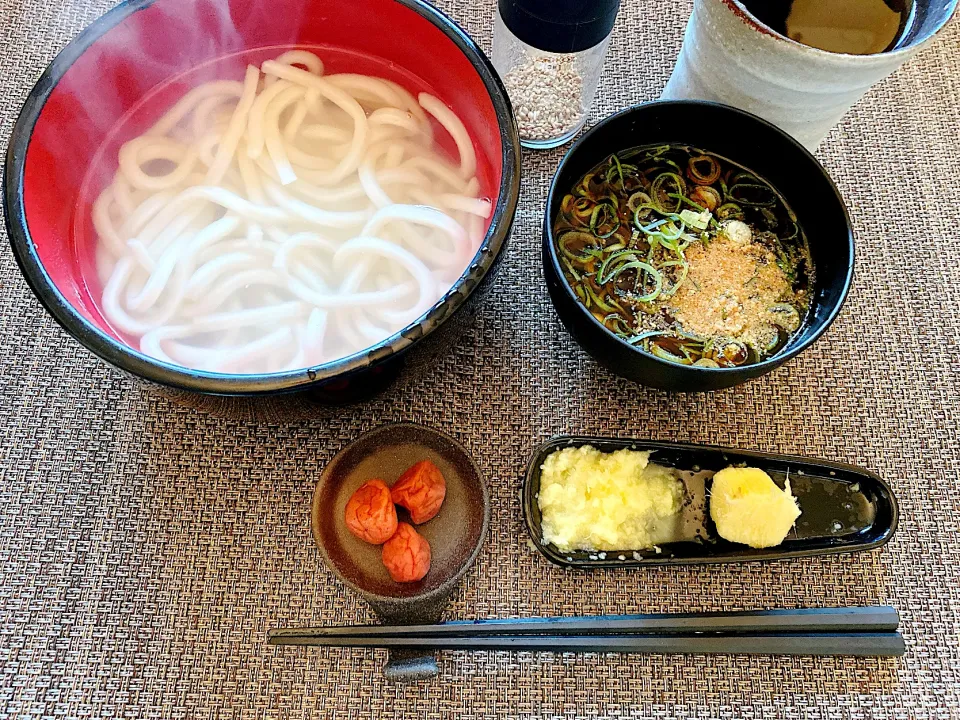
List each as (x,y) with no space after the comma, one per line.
(857,631)
(809,620)
(849,644)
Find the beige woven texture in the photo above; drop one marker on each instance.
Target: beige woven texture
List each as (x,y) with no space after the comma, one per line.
(146,548)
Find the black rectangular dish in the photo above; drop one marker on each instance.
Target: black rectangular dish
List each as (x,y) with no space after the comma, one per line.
(844,508)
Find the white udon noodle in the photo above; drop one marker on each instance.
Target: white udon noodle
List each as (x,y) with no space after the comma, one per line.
(285,221)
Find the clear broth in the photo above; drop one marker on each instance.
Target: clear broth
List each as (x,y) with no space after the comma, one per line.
(141,116)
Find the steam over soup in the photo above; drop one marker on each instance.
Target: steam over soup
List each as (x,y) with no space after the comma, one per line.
(286,219)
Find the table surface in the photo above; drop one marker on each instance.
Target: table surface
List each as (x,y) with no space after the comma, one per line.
(145,548)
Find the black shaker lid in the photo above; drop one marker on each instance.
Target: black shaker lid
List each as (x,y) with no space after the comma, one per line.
(560,26)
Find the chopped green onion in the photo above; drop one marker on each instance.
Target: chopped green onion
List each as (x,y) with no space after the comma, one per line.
(671,231)
(658,282)
(616,257)
(665,354)
(730,211)
(570,269)
(688,201)
(623,267)
(707,196)
(617,319)
(649,229)
(754,188)
(615,165)
(638,199)
(656,152)
(584,187)
(597,301)
(596,223)
(643,336)
(585,254)
(684,269)
(701,178)
(675,167)
(699,220)
(659,194)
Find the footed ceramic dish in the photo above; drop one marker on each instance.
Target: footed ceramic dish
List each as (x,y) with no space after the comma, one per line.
(455,535)
(844,508)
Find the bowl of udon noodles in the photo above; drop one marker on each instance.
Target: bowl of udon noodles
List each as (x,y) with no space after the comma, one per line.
(256,207)
(691,246)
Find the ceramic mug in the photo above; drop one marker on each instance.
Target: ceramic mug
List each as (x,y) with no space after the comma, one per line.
(731,57)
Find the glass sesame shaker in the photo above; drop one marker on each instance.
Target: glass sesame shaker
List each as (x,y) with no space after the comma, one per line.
(549,54)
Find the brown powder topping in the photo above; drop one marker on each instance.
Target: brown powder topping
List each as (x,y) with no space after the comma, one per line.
(729,290)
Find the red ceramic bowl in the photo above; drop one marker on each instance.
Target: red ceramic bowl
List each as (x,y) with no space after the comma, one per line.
(137,59)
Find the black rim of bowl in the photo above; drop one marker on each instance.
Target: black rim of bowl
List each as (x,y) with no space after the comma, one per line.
(792,349)
(441,591)
(131,360)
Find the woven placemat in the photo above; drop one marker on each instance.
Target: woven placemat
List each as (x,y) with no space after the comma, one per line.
(146,548)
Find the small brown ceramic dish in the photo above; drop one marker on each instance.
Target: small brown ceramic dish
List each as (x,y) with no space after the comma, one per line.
(455,534)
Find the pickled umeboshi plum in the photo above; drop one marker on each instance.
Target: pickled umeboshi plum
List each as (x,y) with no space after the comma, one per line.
(406,555)
(421,490)
(370,513)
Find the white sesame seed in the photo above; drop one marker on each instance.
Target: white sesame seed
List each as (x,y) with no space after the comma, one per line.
(547,95)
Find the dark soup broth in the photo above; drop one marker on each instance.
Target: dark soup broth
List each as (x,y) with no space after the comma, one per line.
(687,255)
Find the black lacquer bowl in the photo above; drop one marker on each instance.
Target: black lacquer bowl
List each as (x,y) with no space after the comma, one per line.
(844,508)
(104,76)
(751,142)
